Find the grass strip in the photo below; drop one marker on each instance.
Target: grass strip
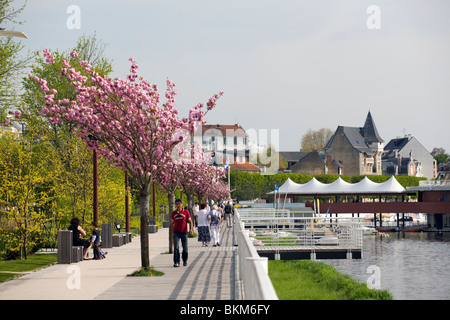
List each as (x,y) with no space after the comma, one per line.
(10,269)
(34,262)
(312,280)
(143,273)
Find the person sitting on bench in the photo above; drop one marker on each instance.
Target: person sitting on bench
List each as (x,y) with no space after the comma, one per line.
(78,233)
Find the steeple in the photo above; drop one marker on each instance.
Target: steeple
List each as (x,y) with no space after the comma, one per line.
(369,131)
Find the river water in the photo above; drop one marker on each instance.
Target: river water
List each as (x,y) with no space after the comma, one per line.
(412,266)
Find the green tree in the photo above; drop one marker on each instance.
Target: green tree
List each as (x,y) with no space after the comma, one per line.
(72,161)
(22,191)
(316,140)
(11,62)
(440,155)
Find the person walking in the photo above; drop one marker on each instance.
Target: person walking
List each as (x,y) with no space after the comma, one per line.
(180,221)
(228,211)
(203,225)
(195,209)
(216,219)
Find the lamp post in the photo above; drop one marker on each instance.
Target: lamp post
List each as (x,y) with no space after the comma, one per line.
(127,213)
(95,185)
(10,33)
(95,182)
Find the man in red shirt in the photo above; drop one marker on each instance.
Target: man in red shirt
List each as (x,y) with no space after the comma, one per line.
(180,220)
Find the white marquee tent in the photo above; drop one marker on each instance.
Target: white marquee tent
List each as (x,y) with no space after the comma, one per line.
(341,187)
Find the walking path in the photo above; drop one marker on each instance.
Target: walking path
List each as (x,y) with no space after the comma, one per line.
(211,274)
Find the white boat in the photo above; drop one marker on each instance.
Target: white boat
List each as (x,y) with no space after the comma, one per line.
(367,230)
(327,240)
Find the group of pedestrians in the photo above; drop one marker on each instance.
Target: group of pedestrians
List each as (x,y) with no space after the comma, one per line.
(206,220)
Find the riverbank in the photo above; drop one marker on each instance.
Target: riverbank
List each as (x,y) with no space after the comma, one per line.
(312,280)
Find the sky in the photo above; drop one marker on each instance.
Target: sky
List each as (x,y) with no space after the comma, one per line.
(285,66)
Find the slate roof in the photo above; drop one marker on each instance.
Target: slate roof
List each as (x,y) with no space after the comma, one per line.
(394,145)
(360,136)
(293,155)
(370,131)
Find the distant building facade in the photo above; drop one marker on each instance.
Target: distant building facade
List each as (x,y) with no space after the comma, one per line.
(355,150)
(228,143)
(306,162)
(407,156)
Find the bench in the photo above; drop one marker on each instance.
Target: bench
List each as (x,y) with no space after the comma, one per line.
(77,253)
(117,240)
(153,227)
(107,241)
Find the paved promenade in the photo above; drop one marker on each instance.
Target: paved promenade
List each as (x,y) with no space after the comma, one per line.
(211,274)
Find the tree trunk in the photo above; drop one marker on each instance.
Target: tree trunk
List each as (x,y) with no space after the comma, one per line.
(144,203)
(171,200)
(190,204)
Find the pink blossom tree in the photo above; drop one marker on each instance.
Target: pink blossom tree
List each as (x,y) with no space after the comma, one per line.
(208,175)
(218,191)
(123,121)
(198,175)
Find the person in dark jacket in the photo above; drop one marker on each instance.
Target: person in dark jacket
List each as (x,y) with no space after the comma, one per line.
(78,233)
(95,241)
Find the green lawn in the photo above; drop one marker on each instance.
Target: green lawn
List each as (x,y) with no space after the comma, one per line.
(311,280)
(34,262)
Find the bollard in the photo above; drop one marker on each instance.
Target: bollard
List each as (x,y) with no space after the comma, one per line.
(77,253)
(107,235)
(117,240)
(65,242)
(152,228)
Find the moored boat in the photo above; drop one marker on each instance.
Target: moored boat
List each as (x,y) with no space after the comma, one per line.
(412,230)
(385,229)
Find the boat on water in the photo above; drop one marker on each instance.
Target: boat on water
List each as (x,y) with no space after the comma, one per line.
(412,230)
(368,230)
(385,229)
(328,240)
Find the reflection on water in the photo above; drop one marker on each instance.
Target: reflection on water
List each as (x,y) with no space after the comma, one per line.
(412,266)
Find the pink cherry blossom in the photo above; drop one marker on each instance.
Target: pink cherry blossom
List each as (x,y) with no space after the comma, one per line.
(74,54)
(124,122)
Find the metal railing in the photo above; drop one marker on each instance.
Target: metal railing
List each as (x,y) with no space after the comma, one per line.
(253,269)
(430,183)
(277,228)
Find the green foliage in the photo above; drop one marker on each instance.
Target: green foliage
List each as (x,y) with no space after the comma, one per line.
(11,62)
(146,273)
(23,179)
(442,157)
(34,262)
(46,172)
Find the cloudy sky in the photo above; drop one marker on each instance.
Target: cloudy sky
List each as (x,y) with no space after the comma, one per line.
(287,65)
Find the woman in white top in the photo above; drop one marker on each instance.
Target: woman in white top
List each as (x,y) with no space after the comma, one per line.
(215,225)
(203,218)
